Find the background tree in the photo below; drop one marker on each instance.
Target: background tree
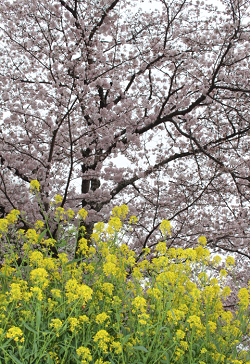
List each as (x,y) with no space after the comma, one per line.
(84,81)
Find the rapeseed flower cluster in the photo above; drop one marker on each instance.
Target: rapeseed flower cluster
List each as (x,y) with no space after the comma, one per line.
(16,334)
(34,185)
(96,310)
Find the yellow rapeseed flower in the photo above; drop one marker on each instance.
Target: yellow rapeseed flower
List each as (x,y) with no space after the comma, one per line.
(203,350)
(103,338)
(216,260)
(202,253)
(25,315)
(73,321)
(56,324)
(180,334)
(144,318)
(39,224)
(100,318)
(15,333)
(114,225)
(108,288)
(213,281)
(58,199)
(110,266)
(15,292)
(51,304)
(32,236)
(37,292)
(54,356)
(49,242)
(99,227)
(136,273)
(194,321)
(63,258)
(116,345)
(140,304)
(230,261)
(212,326)
(70,213)
(3,226)
(56,293)
(161,248)
(165,227)
(39,277)
(85,354)
(223,273)
(95,236)
(34,185)
(226,292)
(12,216)
(83,319)
(82,213)
(120,212)
(184,344)
(75,291)
(92,251)
(174,315)
(35,258)
(60,213)
(100,361)
(83,246)
(202,240)
(146,250)
(133,220)
(243,296)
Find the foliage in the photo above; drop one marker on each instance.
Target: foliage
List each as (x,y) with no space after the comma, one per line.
(109,307)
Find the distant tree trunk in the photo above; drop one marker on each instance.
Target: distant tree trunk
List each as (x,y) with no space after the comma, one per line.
(2,211)
(88,185)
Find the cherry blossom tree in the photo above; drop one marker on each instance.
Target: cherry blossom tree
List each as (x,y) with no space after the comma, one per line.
(83,82)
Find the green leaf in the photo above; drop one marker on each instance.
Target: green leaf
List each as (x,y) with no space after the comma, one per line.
(35,349)
(73,356)
(6,343)
(46,332)
(14,358)
(173,314)
(167,361)
(29,328)
(49,360)
(38,318)
(63,244)
(39,360)
(74,261)
(41,236)
(216,345)
(62,316)
(28,353)
(140,348)
(166,329)
(125,339)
